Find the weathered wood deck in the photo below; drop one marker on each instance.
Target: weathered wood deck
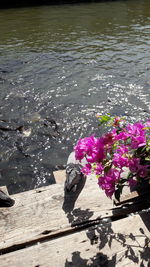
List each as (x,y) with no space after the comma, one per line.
(44,228)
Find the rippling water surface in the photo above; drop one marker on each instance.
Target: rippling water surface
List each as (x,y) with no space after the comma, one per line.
(59,66)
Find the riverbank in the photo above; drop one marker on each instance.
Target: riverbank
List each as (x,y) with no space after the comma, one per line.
(25,3)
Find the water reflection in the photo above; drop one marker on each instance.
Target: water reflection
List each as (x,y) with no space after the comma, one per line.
(64,64)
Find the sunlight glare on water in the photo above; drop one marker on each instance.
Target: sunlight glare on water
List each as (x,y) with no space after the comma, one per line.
(59,66)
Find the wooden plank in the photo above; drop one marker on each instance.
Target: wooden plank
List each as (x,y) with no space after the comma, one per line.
(42,213)
(141,190)
(121,243)
(127,195)
(133,202)
(4,189)
(43,210)
(60,176)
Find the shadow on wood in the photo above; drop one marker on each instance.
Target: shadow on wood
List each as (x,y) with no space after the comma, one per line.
(75,215)
(70,197)
(126,248)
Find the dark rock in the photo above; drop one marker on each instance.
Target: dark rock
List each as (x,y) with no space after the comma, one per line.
(5,200)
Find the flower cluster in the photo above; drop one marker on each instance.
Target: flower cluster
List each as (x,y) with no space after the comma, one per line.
(125,145)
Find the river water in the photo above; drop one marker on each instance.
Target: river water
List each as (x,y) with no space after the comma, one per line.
(59,66)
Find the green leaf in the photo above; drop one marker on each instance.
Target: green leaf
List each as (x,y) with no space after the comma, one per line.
(122,181)
(130,175)
(117,194)
(147,158)
(147,149)
(107,166)
(104,119)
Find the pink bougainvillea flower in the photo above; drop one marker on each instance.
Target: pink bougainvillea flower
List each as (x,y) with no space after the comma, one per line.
(122,136)
(108,181)
(106,156)
(97,153)
(109,139)
(147,124)
(84,146)
(107,184)
(138,141)
(122,149)
(137,168)
(135,129)
(137,134)
(98,115)
(117,121)
(99,169)
(132,182)
(90,147)
(134,165)
(120,161)
(142,171)
(87,169)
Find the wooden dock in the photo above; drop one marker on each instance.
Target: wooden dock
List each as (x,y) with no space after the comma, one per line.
(47,229)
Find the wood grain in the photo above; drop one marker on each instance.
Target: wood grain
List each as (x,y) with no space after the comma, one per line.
(121,243)
(42,210)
